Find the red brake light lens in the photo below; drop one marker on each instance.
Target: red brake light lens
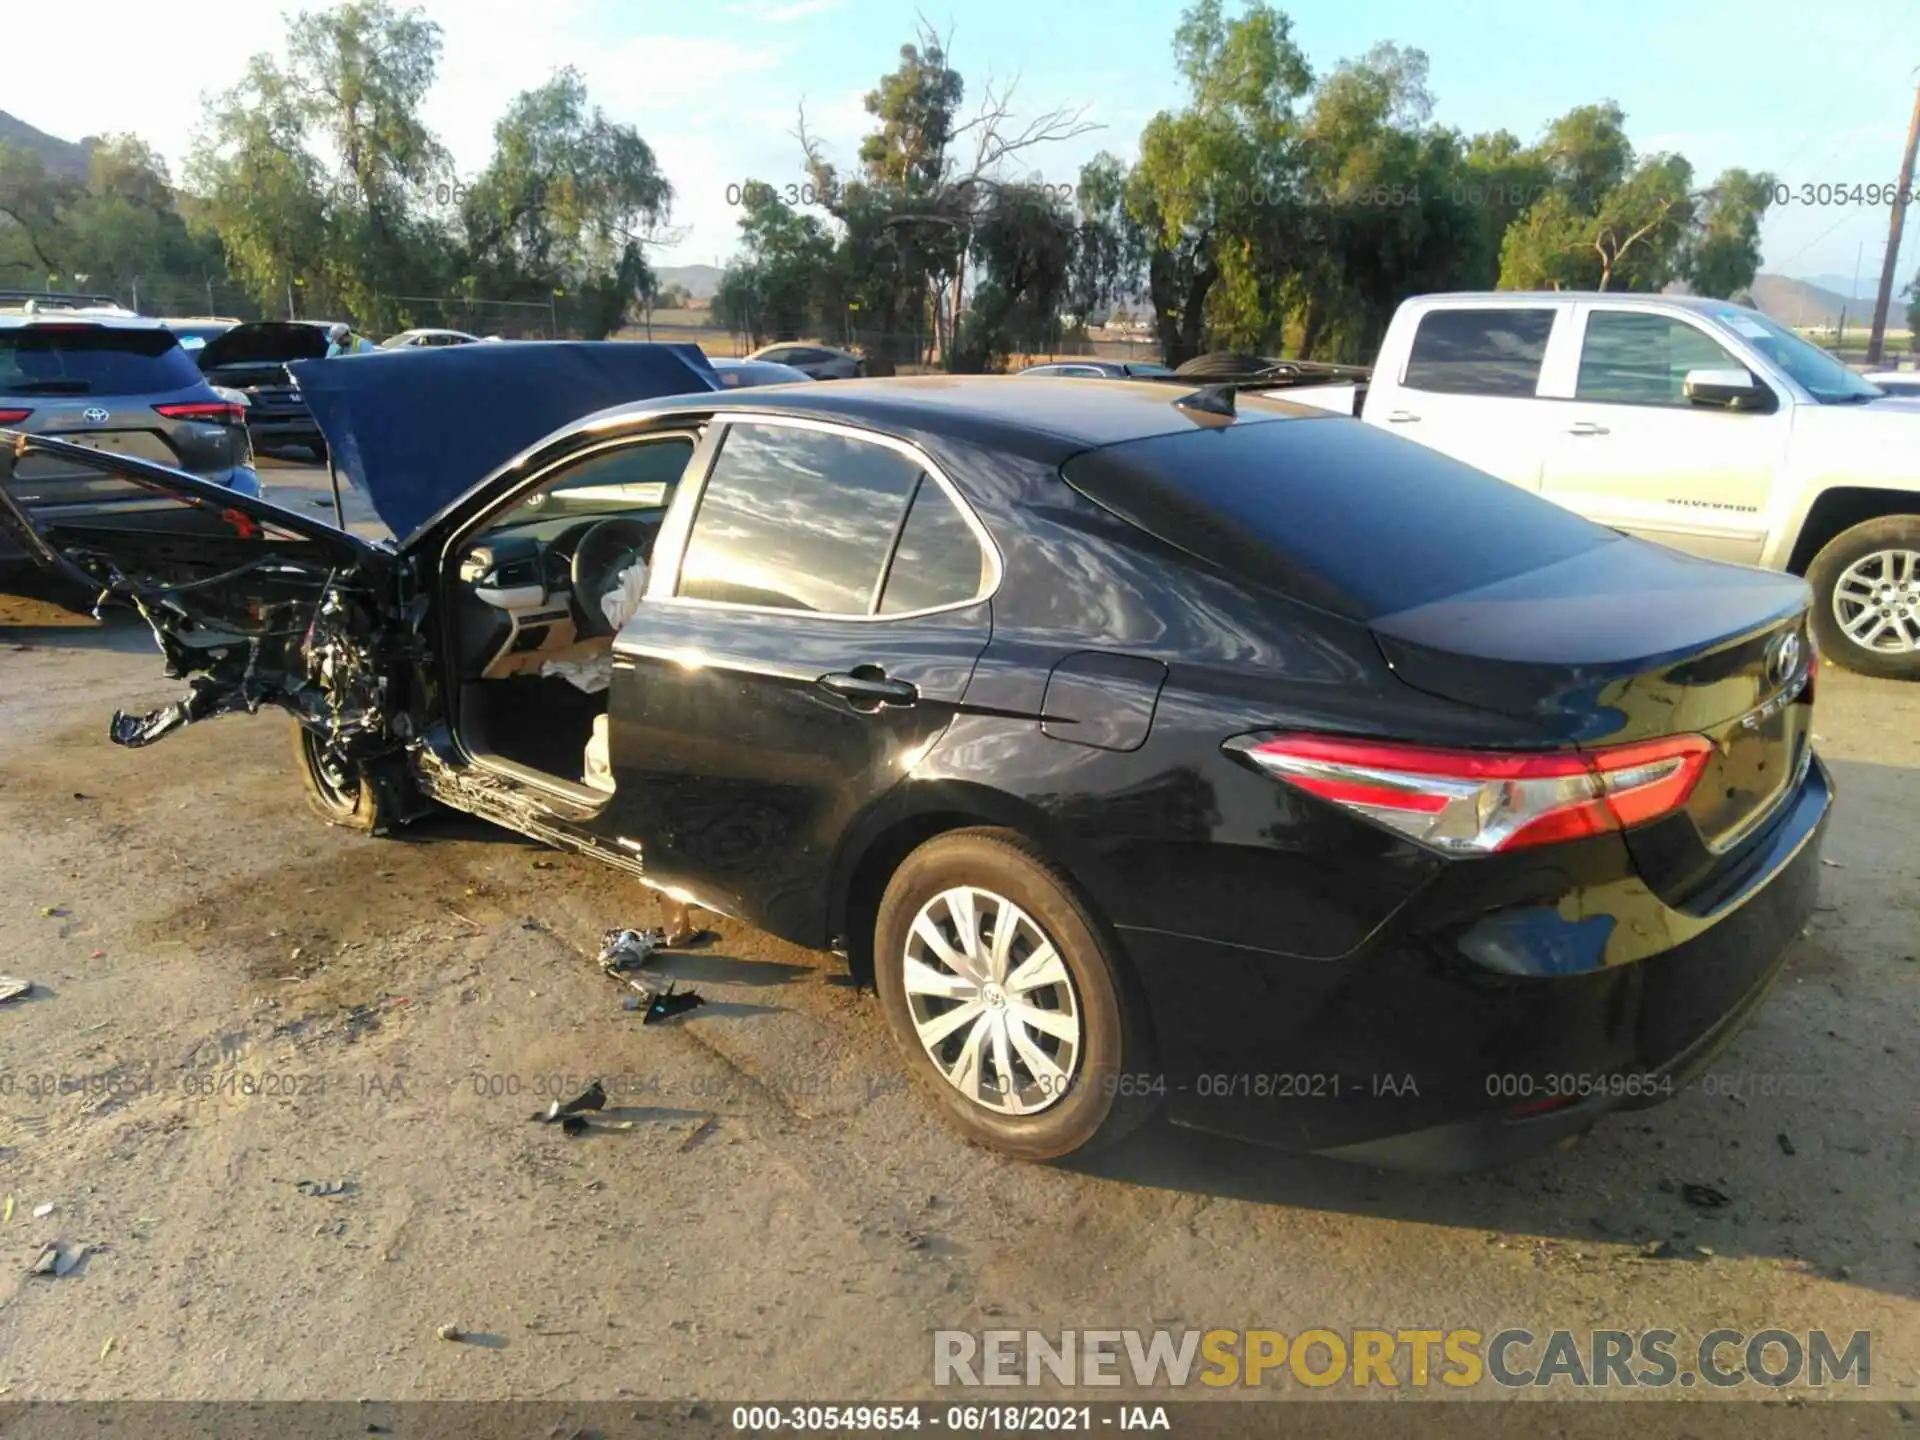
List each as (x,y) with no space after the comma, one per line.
(13,417)
(216,412)
(1482,801)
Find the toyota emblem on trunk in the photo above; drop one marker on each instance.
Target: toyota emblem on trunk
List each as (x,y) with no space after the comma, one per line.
(93,415)
(1783,659)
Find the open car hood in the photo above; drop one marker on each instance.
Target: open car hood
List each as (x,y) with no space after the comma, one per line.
(263,342)
(417,428)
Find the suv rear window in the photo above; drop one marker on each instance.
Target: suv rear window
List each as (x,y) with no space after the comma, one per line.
(1331,511)
(92,360)
(1479,352)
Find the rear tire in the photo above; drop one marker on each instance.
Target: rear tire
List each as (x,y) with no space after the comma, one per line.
(1079,1075)
(339,794)
(1869,574)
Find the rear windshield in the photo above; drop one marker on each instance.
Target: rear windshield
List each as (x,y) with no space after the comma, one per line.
(92,360)
(1332,511)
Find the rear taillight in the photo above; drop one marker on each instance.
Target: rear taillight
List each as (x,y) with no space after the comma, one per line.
(212,412)
(1480,801)
(13,417)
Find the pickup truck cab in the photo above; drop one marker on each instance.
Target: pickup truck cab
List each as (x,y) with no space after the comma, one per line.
(1697,423)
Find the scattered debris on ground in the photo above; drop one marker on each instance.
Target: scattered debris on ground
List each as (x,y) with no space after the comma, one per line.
(1786,1143)
(325,1189)
(625,953)
(666,1006)
(57,1258)
(40,1212)
(594,1097)
(452,1332)
(700,1132)
(624,950)
(1704,1197)
(12,988)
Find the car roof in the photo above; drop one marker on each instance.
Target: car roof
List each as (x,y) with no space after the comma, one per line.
(1054,416)
(106,319)
(1705,304)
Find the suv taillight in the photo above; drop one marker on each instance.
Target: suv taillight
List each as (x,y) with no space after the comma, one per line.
(1481,801)
(13,417)
(213,412)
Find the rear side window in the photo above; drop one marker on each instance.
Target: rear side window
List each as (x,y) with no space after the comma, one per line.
(1633,359)
(92,360)
(938,560)
(1333,512)
(796,519)
(1479,352)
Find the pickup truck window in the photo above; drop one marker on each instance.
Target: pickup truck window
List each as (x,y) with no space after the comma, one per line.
(1817,372)
(1479,352)
(1633,358)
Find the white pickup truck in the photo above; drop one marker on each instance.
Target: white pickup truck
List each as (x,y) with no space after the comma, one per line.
(1697,423)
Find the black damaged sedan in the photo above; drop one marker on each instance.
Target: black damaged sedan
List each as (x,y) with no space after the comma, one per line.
(1143,746)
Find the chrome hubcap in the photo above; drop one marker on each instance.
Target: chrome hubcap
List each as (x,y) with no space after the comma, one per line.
(992,1001)
(1876,601)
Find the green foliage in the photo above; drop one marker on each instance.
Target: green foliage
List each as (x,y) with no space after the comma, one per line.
(1024,246)
(565,205)
(1726,253)
(776,288)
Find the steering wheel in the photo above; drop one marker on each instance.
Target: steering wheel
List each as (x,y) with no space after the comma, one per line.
(607,548)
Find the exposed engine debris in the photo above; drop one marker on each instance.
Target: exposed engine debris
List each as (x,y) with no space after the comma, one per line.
(328,671)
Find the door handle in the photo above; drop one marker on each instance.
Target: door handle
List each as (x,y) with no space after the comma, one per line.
(868,684)
(1402,417)
(1587,427)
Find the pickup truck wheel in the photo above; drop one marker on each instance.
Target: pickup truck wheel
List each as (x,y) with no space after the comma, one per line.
(1866,597)
(1009,1000)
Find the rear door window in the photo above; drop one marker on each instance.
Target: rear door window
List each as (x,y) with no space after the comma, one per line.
(797,519)
(938,561)
(1479,352)
(1629,358)
(92,360)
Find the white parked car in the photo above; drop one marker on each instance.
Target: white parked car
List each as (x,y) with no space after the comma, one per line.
(408,339)
(1703,425)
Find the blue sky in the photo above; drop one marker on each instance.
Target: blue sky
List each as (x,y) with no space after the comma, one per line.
(1815,93)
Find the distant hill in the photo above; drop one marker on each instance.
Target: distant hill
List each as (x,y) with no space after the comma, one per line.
(699,281)
(61,157)
(1802,302)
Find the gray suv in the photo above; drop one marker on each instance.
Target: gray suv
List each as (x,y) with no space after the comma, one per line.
(119,382)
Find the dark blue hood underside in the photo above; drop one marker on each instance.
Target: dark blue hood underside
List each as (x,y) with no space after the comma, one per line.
(418,428)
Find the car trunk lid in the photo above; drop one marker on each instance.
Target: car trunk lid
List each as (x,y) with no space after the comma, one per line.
(1631,641)
(267,344)
(113,425)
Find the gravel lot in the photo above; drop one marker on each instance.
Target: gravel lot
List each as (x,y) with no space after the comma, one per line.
(770,1212)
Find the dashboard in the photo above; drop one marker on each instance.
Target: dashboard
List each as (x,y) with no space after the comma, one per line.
(515,607)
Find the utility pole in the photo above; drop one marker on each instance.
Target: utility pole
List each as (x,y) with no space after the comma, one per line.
(1877,341)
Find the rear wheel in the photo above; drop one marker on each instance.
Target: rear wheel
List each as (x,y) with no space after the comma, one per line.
(339,792)
(1009,1000)
(1866,597)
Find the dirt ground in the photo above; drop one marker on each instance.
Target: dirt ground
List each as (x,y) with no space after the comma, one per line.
(231,998)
